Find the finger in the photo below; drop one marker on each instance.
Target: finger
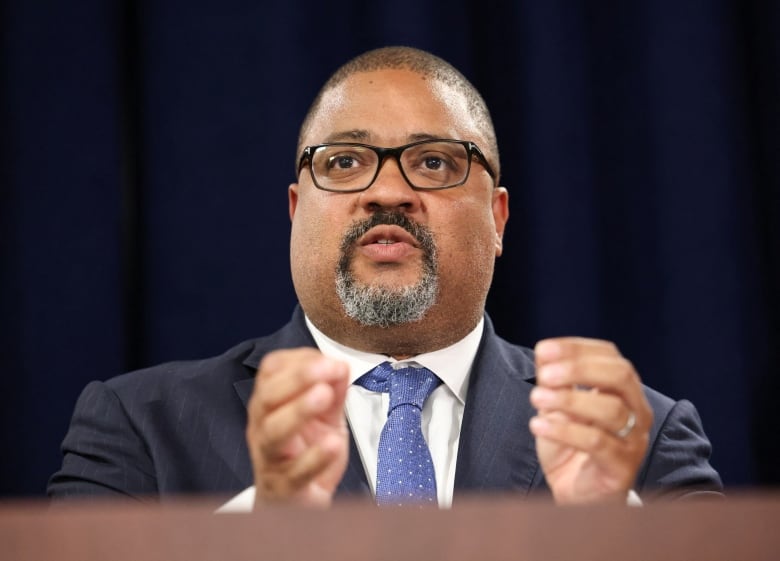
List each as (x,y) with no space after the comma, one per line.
(590,407)
(610,375)
(284,377)
(570,348)
(602,446)
(284,480)
(611,461)
(275,362)
(280,364)
(319,392)
(335,413)
(278,427)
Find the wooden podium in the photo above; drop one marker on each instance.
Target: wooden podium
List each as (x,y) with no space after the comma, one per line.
(736,529)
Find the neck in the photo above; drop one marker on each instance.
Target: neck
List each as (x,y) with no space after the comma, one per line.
(434,332)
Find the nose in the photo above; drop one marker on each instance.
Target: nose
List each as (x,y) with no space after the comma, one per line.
(390,190)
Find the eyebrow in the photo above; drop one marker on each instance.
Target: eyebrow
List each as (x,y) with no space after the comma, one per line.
(362,135)
(355,135)
(424,136)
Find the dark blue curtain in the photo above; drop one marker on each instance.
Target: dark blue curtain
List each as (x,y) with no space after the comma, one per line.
(146,147)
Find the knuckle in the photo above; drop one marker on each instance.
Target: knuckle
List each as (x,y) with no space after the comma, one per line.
(596,439)
(264,399)
(617,414)
(273,484)
(253,404)
(274,361)
(259,442)
(566,400)
(298,478)
(270,361)
(256,410)
(626,372)
(638,444)
(647,414)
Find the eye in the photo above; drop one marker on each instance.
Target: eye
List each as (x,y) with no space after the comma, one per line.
(342,161)
(433,163)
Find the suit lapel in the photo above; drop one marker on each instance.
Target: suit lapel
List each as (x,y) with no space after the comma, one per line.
(296,334)
(496,450)
(354,483)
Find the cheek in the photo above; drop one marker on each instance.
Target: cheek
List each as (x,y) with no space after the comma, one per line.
(316,233)
(306,240)
(309,257)
(470,225)
(466,240)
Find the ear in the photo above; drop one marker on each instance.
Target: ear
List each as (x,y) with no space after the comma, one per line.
(292,196)
(500,215)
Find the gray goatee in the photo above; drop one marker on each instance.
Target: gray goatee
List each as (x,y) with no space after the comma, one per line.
(373,305)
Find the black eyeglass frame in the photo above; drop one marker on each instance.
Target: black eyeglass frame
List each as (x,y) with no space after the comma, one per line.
(395,152)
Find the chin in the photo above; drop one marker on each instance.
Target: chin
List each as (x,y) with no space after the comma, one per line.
(388,278)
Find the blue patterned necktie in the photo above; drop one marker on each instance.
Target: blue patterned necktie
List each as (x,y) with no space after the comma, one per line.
(404,468)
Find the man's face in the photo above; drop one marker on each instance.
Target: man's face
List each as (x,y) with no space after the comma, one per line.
(392,266)
(387,304)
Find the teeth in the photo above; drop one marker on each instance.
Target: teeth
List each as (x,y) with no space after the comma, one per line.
(385,242)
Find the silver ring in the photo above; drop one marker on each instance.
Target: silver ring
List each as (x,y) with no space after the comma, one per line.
(628,427)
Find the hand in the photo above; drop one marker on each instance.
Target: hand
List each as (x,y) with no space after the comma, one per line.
(585,394)
(296,432)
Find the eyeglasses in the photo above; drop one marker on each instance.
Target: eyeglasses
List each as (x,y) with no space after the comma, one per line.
(346,167)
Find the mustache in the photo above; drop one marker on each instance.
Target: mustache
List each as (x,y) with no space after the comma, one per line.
(358,229)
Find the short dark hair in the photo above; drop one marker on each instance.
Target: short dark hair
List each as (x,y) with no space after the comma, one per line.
(421,62)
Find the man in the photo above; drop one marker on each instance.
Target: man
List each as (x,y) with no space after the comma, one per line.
(397,218)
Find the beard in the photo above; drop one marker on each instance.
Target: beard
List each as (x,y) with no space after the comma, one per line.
(381,306)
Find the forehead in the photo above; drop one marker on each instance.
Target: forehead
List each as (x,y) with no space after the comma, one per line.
(391,107)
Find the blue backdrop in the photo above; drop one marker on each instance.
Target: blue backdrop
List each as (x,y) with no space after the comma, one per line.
(146,148)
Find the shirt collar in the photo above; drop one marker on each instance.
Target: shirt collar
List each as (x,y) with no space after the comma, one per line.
(451,364)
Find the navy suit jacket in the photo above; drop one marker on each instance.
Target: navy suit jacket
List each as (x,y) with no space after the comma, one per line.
(178,428)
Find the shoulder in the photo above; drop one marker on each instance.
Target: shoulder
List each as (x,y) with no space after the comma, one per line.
(236,364)
(226,366)
(678,458)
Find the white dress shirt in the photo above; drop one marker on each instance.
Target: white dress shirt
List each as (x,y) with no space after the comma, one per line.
(366,411)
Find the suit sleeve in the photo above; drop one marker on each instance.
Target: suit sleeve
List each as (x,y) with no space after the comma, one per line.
(678,463)
(103,452)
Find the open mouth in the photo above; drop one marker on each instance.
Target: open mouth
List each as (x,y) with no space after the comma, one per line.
(386,234)
(388,244)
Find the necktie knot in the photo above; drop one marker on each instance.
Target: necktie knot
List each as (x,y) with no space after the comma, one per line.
(407,385)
